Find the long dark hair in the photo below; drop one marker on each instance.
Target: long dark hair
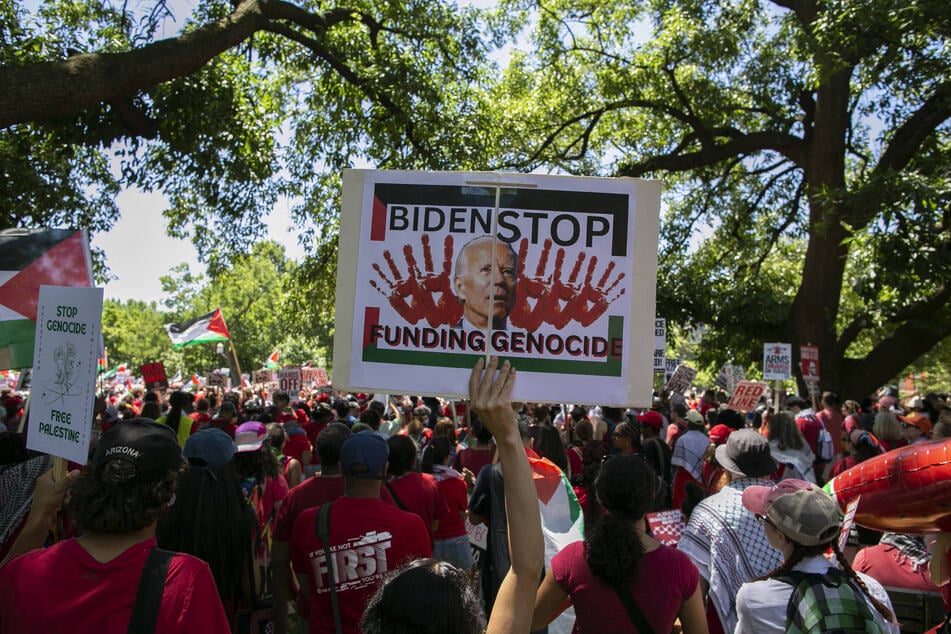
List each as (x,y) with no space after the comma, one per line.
(117,501)
(549,446)
(800,552)
(438,449)
(260,465)
(626,488)
(177,401)
(211,521)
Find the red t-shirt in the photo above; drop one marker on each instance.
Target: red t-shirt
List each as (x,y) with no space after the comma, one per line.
(419,494)
(295,445)
(371,538)
(63,589)
(666,579)
(225,426)
(889,567)
(833,421)
(842,465)
(308,494)
(313,429)
(455,494)
(810,427)
(473,459)
(200,420)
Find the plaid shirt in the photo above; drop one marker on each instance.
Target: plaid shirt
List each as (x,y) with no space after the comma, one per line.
(826,602)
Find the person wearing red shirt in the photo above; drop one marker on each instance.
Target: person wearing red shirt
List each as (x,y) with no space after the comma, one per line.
(90,584)
(326,487)
(368,539)
(831,417)
(200,416)
(451,540)
(413,491)
(479,453)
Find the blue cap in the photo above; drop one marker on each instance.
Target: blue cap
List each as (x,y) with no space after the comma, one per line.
(211,446)
(364,455)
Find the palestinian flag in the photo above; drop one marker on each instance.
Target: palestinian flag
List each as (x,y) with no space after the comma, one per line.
(205,329)
(30,258)
(562,522)
(272,361)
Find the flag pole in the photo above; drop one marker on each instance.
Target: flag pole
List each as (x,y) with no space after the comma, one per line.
(234,355)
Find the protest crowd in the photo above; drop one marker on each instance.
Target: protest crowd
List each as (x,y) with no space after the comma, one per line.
(324,511)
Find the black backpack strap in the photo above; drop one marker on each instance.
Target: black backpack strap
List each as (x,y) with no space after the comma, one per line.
(633,611)
(395,497)
(148,598)
(322,529)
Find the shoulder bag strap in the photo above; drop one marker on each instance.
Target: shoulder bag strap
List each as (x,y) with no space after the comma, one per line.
(395,497)
(322,528)
(148,598)
(633,611)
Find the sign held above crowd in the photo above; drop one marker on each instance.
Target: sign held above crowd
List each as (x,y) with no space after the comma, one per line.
(65,355)
(556,274)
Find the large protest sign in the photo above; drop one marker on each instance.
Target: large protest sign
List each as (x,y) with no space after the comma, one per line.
(154,377)
(746,396)
(777,361)
(681,380)
(556,274)
(809,360)
(289,380)
(730,376)
(65,364)
(315,377)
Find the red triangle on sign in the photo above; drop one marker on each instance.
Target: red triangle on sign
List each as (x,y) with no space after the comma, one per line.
(63,265)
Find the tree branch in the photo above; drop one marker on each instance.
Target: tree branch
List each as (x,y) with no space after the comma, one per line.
(48,90)
(785,144)
(909,136)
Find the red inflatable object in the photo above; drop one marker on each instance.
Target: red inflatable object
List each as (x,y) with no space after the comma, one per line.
(907,490)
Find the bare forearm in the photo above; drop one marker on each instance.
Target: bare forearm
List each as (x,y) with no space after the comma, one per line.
(521,508)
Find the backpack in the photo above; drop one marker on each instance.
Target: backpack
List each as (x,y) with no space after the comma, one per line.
(824,449)
(828,602)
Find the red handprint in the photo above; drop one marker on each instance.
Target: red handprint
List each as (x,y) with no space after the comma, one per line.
(547,298)
(413,297)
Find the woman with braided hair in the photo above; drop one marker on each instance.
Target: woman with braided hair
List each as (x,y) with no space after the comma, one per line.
(620,579)
(802,522)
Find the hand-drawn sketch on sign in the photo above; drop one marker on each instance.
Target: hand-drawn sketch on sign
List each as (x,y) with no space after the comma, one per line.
(555,274)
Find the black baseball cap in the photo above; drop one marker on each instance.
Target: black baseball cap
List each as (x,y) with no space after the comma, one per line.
(151,447)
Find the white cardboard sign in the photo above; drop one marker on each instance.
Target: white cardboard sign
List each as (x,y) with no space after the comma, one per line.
(555,274)
(777,361)
(65,363)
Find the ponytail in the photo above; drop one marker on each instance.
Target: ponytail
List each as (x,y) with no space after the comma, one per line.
(844,563)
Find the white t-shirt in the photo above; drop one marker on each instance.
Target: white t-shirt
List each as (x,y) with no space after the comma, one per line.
(761,605)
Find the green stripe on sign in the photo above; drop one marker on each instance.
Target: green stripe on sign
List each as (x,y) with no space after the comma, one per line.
(609,367)
(16,343)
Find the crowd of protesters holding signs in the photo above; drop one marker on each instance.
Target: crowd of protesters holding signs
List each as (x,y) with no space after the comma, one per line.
(325,511)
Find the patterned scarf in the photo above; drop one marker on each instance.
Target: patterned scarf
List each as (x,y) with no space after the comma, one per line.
(16,491)
(724,533)
(688,453)
(442,472)
(910,546)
